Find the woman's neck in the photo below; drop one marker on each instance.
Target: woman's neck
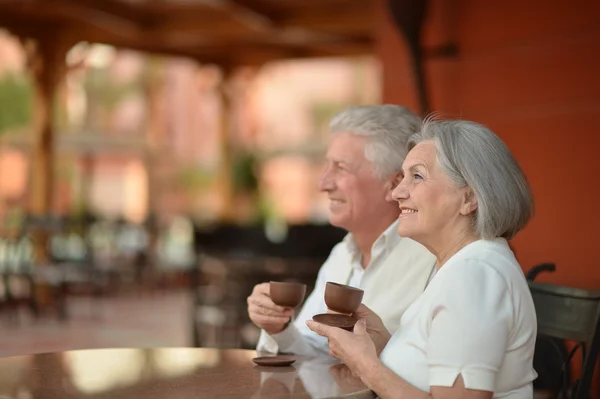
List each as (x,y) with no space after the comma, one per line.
(448,242)
(450,248)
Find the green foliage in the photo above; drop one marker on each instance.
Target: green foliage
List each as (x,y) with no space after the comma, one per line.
(153,70)
(194,178)
(105,92)
(16,96)
(244,178)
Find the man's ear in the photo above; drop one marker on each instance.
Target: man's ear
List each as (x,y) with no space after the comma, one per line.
(469,204)
(391,183)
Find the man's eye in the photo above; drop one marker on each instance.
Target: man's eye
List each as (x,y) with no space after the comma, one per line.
(418,176)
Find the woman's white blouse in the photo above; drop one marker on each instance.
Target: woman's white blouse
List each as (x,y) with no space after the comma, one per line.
(476,319)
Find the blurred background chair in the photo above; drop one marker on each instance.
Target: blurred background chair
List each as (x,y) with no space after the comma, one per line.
(17,288)
(233,259)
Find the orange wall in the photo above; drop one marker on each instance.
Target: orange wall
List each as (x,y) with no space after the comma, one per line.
(530,70)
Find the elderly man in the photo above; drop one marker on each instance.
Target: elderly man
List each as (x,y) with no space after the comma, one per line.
(364,164)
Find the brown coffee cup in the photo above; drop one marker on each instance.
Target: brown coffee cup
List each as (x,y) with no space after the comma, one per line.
(287,294)
(342,298)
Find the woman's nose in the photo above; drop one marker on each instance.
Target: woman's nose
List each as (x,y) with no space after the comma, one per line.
(400,192)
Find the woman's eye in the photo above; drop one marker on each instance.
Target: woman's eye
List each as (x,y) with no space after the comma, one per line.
(418,176)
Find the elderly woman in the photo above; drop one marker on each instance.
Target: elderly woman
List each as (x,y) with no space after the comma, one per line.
(471,334)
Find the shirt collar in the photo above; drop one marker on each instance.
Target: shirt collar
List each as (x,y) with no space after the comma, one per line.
(385,242)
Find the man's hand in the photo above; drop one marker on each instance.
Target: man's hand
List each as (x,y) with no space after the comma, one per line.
(264,313)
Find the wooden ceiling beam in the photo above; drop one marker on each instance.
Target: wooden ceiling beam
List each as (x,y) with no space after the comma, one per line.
(157,48)
(301,28)
(226,32)
(12,19)
(67,14)
(176,43)
(233,47)
(249,17)
(260,54)
(241,35)
(357,19)
(118,9)
(104,21)
(25,28)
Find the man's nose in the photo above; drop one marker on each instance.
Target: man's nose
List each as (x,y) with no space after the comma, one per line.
(326,182)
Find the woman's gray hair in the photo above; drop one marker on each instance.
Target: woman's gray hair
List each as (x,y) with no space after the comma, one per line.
(386,129)
(472,155)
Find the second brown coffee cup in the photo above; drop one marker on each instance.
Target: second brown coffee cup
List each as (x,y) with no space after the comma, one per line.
(342,298)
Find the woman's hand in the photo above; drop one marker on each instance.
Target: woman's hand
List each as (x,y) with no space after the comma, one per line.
(346,379)
(375,328)
(355,349)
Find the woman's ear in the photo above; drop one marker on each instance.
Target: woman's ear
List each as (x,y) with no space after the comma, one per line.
(391,183)
(469,204)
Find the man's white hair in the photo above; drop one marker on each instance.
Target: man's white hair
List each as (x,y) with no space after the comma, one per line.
(386,129)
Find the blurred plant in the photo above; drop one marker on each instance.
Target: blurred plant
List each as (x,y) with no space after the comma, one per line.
(244,177)
(13,219)
(252,206)
(267,209)
(105,90)
(16,96)
(194,179)
(104,94)
(153,71)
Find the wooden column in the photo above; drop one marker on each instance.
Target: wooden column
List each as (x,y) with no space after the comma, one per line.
(225,149)
(153,156)
(87,164)
(155,130)
(46,57)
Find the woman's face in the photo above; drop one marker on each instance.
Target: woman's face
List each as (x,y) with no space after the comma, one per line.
(431,205)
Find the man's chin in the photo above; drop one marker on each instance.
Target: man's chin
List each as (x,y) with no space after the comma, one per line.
(338,222)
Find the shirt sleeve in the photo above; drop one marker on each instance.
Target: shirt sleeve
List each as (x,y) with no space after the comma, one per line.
(470,324)
(297,338)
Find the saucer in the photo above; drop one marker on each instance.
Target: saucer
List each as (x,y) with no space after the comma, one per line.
(278,369)
(274,361)
(336,320)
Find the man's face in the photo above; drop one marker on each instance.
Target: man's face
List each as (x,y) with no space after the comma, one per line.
(356,196)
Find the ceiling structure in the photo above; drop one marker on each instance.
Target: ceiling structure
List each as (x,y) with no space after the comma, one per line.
(224,32)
